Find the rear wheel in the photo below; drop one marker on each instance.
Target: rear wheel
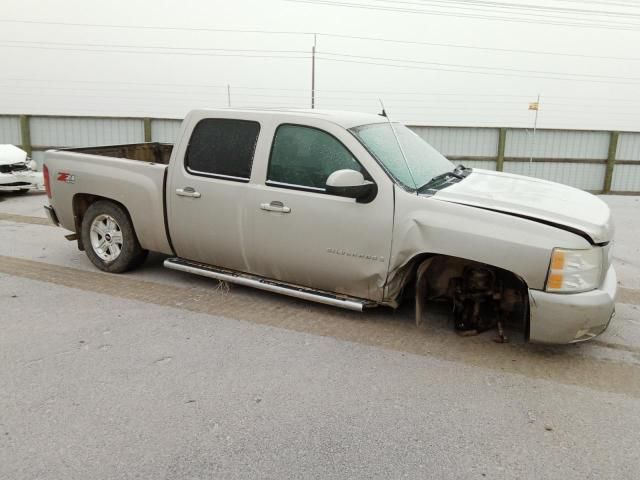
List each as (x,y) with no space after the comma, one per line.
(109,238)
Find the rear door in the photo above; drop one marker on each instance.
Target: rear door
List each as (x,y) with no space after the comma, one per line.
(206,191)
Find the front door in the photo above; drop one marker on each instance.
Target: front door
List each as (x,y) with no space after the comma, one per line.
(302,235)
(205,196)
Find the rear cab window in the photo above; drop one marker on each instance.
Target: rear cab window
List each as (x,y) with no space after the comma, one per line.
(303,158)
(222,148)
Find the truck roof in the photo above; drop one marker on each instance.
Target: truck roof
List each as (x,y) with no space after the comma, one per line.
(345,119)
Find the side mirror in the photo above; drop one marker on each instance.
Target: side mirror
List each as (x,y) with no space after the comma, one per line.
(350,184)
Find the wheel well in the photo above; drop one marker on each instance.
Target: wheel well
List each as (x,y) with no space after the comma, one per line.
(411,268)
(81,203)
(430,276)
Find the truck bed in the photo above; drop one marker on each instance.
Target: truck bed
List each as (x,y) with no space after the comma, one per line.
(131,174)
(144,152)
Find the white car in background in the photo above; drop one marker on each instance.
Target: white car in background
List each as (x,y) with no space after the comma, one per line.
(17,171)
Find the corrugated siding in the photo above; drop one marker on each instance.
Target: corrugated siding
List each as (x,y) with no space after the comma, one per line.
(454,141)
(557,144)
(628,147)
(165,131)
(10,130)
(474,147)
(626,178)
(70,132)
(581,175)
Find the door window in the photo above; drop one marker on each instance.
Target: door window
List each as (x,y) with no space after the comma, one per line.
(222,148)
(305,157)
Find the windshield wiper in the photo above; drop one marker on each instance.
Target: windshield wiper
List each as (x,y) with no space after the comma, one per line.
(460,172)
(442,176)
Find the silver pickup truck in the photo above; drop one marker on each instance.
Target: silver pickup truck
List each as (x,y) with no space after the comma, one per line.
(345,209)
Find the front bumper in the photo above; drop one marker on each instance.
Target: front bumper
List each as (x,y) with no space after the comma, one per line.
(24,180)
(573,317)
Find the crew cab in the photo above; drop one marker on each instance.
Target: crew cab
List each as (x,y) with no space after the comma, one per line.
(346,209)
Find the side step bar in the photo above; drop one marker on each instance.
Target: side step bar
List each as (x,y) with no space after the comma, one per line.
(197,268)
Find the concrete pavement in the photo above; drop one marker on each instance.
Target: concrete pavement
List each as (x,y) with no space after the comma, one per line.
(158,374)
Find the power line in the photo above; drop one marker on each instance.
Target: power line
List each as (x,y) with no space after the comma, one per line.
(562,21)
(174,102)
(373,93)
(630,4)
(321,34)
(417,67)
(435,65)
(157,47)
(163,92)
(500,6)
(421,62)
(137,52)
(244,87)
(484,105)
(268,54)
(155,27)
(463,103)
(254,97)
(473,47)
(471,6)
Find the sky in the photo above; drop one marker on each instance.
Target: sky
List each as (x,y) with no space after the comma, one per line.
(432,62)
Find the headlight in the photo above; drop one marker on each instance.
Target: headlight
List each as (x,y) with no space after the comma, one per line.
(573,271)
(32,165)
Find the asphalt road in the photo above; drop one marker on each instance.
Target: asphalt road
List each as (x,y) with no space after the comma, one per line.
(157,374)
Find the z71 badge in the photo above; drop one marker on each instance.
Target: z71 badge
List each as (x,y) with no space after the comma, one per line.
(66,177)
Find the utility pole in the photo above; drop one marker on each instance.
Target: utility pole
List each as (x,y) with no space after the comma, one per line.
(313,72)
(228,95)
(535,126)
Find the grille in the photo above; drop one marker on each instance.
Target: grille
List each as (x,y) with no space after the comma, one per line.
(16,167)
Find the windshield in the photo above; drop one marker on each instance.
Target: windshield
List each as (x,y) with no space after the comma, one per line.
(424,161)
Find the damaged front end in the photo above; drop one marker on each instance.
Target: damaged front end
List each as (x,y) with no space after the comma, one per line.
(18,172)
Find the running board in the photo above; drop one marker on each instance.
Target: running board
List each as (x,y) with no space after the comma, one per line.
(244,279)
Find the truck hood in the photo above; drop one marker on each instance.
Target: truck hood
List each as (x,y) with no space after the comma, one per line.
(10,154)
(539,200)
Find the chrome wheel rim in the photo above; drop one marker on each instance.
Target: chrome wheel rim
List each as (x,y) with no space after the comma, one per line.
(106,237)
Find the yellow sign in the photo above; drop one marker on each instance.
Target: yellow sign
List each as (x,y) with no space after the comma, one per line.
(534,106)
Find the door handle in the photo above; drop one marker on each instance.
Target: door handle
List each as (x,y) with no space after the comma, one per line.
(275,206)
(187,192)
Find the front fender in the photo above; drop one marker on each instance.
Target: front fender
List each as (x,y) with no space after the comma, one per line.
(425,225)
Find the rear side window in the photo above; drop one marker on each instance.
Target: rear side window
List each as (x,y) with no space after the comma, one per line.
(222,148)
(305,157)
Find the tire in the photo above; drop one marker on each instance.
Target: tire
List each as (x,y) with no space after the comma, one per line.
(109,238)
